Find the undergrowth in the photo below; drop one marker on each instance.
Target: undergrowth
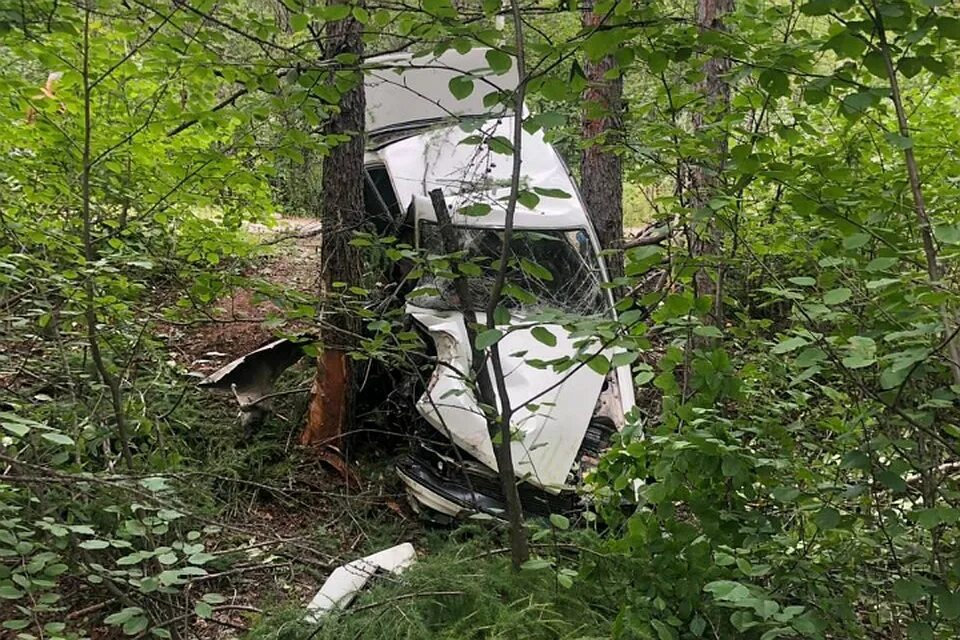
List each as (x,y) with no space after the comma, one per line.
(462,589)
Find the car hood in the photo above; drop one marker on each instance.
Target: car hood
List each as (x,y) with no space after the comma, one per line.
(552,409)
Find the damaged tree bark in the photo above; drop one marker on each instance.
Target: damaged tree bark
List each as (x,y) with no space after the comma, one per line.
(341,212)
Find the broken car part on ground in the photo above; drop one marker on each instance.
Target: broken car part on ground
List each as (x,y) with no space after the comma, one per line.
(564,416)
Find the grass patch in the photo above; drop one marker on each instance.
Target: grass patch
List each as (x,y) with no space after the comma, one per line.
(458,592)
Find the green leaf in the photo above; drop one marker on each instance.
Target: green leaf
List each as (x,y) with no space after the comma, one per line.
(8,592)
(947,233)
(727,590)
(900,142)
(803,281)
(817,7)
(460,86)
(909,590)
(875,64)
(855,460)
(299,22)
(862,352)
(856,240)
(788,345)
(552,193)
(134,626)
(934,66)
(623,358)
(214,598)
(16,428)
(58,438)
(16,625)
(537,271)
(664,631)
(892,481)
(909,66)
(827,518)
(785,494)
(775,82)
(698,625)
(881,264)
(707,331)
(200,558)
(535,564)
(203,610)
(487,338)
(600,364)
(949,27)
(559,521)
(554,89)
(475,209)
(837,296)
(499,61)
(122,616)
(528,199)
(859,102)
(949,604)
(542,334)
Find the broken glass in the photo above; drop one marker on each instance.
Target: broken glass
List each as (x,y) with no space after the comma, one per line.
(546,269)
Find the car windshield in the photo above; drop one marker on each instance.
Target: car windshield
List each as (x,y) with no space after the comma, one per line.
(556,269)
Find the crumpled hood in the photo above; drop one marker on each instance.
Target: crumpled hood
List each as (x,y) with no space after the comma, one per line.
(558,408)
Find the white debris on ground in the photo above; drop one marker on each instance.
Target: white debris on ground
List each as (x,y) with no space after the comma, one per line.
(346,581)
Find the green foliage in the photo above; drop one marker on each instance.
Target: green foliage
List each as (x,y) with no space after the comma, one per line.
(796,471)
(459,592)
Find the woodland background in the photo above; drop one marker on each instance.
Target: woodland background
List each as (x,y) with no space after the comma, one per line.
(797,164)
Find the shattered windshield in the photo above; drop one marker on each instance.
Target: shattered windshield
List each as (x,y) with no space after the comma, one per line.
(546,269)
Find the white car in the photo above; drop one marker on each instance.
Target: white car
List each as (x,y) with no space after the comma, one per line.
(563,419)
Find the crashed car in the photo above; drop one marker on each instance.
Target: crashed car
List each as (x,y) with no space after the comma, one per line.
(563,419)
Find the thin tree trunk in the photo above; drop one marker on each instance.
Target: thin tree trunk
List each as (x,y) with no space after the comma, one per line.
(519,546)
(919,203)
(703,180)
(90,255)
(601,170)
(341,212)
(929,453)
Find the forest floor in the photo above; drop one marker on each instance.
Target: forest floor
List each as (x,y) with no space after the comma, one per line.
(239,321)
(297,516)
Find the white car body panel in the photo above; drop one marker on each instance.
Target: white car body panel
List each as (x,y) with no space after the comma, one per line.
(468,174)
(549,437)
(402,90)
(346,581)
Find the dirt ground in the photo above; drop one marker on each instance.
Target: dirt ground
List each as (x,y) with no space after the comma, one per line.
(236,323)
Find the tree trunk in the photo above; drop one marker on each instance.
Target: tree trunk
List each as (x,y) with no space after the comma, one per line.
(601,170)
(919,203)
(703,180)
(341,212)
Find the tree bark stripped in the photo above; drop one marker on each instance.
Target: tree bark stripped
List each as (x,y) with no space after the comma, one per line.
(341,212)
(703,177)
(601,169)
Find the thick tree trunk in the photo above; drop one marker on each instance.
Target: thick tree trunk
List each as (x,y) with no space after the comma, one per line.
(703,180)
(601,171)
(341,213)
